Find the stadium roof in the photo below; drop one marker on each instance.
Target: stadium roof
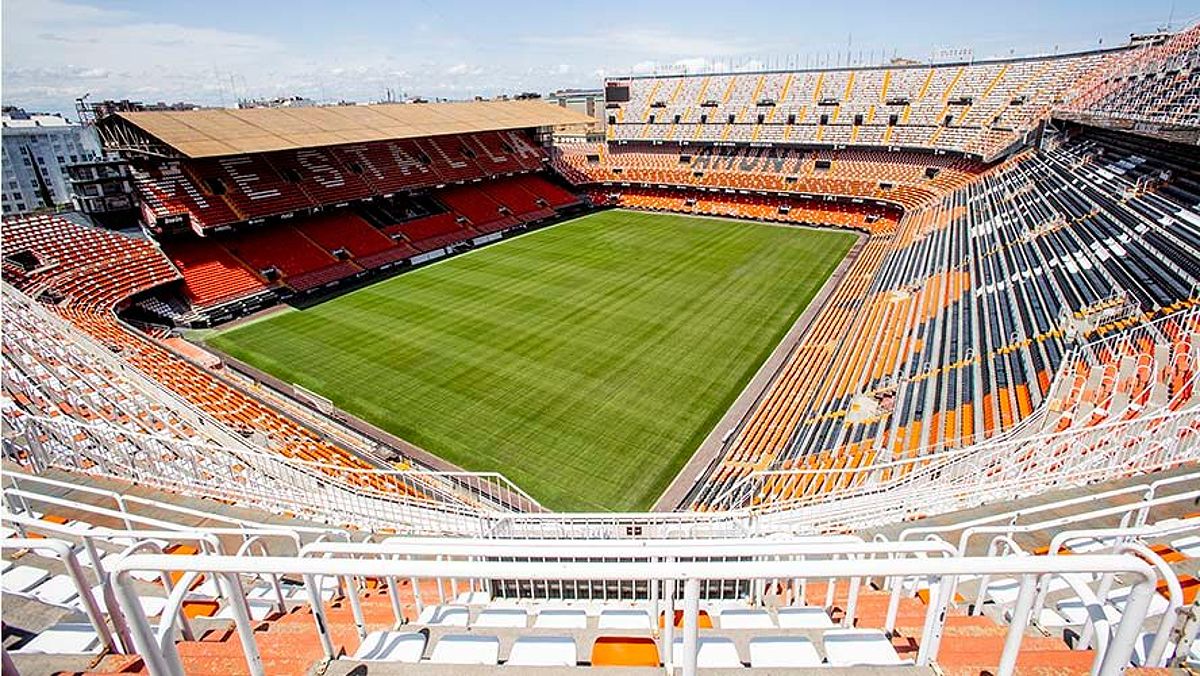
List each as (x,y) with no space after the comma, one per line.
(216,132)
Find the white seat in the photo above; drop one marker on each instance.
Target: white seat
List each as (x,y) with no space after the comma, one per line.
(207,589)
(614,618)
(1004,591)
(1074,612)
(6,532)
(267,592)
(444,616)
(1120,596)
(1188,546)
(783,652)
(502,617)
(543,651)
(22,578)
(473,598)
(859,647)
(1088,545)
(466,649)
(64,638)
(746,618)
(391,646)
(561,618)
(1047,619)
(58,590)
(806,617)
(106,561)
(151,605)
(712,652)
(259,610)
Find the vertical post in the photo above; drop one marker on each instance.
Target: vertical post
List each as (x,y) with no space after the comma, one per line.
(1016,626)
(691,625)
(86,598)
(143,636)
(394,597)
(416,590)
(653,591)
(318,610)
(350,587)
(668,620)
(1120,648)
(241,620)
(941,591)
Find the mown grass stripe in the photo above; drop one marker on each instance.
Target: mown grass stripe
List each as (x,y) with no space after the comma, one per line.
(585,362)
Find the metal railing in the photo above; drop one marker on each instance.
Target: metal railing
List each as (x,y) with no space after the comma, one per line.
(162,659)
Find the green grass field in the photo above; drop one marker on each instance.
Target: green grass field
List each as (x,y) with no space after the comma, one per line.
(586,362)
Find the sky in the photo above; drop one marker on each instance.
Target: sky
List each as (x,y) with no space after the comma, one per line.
(217,51)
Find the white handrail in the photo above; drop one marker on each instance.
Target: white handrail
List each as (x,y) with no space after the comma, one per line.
(66,554)
(1110,662)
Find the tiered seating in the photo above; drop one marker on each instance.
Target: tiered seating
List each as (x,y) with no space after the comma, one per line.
(95,271)
(388,166)
(233,189)
(960,321)
(210,274)
(431,232)
(450,159)
(779,208)
(322,178)
(346,231)
(896,177)
(520,201)
(249,184)
(551,194)
(166,191)
(83,265)
(325,246)
(478,207)
(302,264)
(44,375)
(1157,84)
(979,108)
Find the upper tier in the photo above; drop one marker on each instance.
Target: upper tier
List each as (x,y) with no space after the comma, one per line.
(977,108)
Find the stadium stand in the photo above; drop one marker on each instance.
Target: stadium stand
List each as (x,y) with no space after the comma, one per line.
(212,275)
(978,108)
(301,219)
(979,457)
(1155,84)
(220,191)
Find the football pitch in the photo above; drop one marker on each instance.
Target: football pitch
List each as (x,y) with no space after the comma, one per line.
(585,362)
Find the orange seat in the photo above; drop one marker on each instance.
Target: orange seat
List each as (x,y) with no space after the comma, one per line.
(1168,553)
(624,651)
(704,620)
(193,609)
(1190,585)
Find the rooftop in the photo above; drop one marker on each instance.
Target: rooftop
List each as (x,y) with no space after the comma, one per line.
(217,132)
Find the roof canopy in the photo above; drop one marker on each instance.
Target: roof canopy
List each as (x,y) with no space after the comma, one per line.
(216,132)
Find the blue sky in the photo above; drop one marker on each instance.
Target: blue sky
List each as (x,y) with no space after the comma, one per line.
(215,51)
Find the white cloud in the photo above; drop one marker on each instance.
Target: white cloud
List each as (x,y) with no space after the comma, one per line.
(464,69)
(57,50)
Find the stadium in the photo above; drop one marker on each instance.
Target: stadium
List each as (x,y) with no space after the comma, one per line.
(840,368)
